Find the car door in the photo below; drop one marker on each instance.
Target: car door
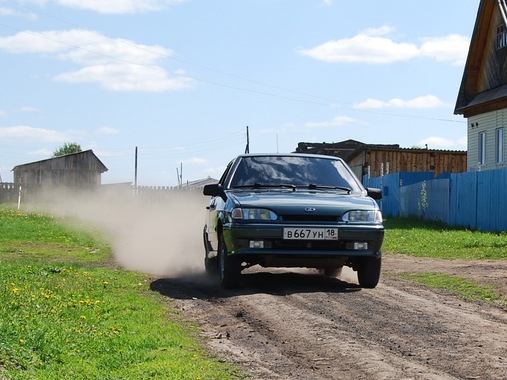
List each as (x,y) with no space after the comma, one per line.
(214,209)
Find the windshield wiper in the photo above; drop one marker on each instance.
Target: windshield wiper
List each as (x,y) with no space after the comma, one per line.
(322,187)
(264,185)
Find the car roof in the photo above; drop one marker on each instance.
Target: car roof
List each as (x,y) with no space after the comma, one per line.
(308,155)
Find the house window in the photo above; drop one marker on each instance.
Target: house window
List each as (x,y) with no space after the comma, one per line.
(501,36)
(482,148)
(499,145)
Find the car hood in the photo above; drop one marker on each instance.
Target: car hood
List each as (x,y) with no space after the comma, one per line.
(295,202)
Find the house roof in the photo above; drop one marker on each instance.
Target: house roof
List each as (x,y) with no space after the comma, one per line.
(100,166)
(199,183)
(350,149)
(368,147)
(484,82)
(346,150)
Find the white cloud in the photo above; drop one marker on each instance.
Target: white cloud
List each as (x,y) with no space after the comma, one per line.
(112,6)
(435,142)
(339,121)
(41,153)
(195,161)
(9,12)
(126,77)
(26,133)
(6,11)
(452,48)
(215,172)
(428,101)
(373,46)
(366,47)
(107,131)
(116,64)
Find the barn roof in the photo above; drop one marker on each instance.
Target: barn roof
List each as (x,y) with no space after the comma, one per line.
(86,154)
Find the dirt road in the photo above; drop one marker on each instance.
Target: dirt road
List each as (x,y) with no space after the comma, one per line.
(297,324)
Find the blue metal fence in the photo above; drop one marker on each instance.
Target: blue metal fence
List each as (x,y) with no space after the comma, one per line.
(474,200)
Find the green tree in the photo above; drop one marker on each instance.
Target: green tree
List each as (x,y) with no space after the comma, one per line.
(67,148)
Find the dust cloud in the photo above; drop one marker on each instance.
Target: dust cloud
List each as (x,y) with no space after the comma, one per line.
(160,237)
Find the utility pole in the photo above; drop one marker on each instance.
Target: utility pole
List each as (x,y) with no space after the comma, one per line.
(247,149)
(135,171)
(179,175)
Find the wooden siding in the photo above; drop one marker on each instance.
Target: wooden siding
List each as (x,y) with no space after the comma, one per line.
(384,161)
(487,123)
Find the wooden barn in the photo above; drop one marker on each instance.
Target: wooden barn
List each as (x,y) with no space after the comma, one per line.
(376,160)
(482,97)
(78,170)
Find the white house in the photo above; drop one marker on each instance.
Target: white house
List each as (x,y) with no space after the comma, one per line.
(482,97)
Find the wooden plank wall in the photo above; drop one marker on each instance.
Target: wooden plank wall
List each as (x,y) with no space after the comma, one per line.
(411,160)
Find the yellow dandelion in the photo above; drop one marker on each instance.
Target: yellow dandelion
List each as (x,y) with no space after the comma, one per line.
(21,341)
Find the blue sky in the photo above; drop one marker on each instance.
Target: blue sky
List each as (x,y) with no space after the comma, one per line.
(182,79)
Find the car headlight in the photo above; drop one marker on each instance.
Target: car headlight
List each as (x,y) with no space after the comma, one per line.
(360,216)
(253,214)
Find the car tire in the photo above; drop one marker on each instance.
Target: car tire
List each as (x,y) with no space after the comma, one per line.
(229,268)
(368,272)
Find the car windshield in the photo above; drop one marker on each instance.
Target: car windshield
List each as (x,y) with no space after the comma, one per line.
(293,172)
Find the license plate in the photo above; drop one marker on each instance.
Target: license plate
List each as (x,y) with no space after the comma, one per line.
(310,233)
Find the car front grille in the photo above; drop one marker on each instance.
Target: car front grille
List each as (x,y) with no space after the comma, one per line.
(310,218)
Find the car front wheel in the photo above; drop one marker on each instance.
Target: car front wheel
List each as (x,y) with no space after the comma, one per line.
(229,267)
(368,272)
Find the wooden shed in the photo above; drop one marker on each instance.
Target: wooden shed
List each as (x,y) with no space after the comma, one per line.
(376,160)
(77,170)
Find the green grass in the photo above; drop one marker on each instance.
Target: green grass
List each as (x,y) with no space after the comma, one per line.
(431,239)
(65,313)
(421,238)
(38,236)
(457,285)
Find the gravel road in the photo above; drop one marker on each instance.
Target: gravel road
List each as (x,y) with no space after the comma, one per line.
(297,324)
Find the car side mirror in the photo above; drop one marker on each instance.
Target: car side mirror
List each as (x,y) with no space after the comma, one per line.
(374,193)
(214,190)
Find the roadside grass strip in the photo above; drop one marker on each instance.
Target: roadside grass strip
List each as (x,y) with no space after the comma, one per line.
(421,238)
(62,318)
(457,285)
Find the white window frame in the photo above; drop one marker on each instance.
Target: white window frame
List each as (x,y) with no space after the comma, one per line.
(501,37)
(499,151)
(482,148)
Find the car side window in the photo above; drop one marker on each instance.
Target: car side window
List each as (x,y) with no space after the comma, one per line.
(221,181)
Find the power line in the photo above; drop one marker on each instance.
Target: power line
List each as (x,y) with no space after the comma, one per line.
(321,101)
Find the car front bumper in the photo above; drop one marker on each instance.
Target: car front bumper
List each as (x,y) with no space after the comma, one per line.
(250,240)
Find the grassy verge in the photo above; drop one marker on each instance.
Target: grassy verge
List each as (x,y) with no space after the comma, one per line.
(421,238)
(66,314)
(457,285)
(431,239)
